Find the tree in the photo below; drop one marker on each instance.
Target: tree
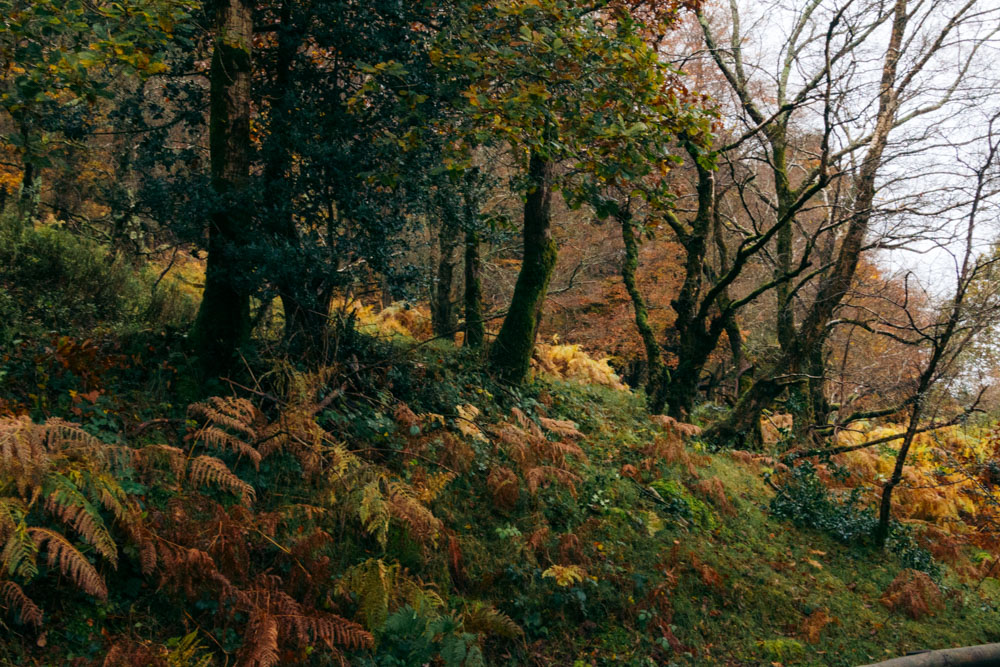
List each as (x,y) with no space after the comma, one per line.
(812,257)
(63,57)
(580,100)
(223,322)
(973,308)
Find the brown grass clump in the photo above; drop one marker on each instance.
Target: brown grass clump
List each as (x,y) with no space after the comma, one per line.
(713,490)
(913,593)
(504,486)
(813,625)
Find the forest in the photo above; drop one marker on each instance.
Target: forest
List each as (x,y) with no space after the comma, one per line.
(499,332)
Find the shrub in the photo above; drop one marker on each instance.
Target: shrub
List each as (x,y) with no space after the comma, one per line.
(913,593)
(806,501)
(53,279)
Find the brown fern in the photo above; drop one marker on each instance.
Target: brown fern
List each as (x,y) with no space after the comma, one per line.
(208,470)
(228,425)
(504,486)
(260,645)
(540,475)
(67,559)
(15,600)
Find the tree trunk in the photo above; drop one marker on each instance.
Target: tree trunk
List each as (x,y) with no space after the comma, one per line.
(510,355)
(885,505)
(444,321)
(676,395)
(676,389)
(654,360)
(223,322)
(475,331)
(837,283)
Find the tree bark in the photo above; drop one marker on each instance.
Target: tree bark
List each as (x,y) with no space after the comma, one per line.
(510,355)
(444,320)
(789,367)
(654,360)
(475,331)
(223,321)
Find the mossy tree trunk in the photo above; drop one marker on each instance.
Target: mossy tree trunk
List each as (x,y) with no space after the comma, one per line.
(655,367)
(444,320)
(475,328)
(223,321)
(510,354)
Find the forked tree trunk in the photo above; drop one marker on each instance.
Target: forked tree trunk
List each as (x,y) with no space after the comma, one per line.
(745,416)
(223,322)
(510,355)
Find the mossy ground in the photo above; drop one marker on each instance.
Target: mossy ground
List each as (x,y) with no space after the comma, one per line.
(659,553)
(734,585)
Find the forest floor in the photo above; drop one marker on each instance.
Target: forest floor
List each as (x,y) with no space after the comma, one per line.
(740,586)
(606,536)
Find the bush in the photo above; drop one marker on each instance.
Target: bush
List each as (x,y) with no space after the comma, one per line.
(806,501)
(51,279)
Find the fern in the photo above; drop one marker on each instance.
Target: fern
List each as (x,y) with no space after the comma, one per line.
(542,474)
(374,583)
(189,652)
(24,458)
(19,555)
(260,648)
(229,425)
(337,631)
(65,502)
(67,559)
(374,510)
(433,485)
(405,507)
(235,414)
(561,427)
(381,589)
(208,470)
(15,600)
(481,618)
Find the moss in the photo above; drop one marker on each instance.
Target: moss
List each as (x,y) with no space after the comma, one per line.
(693,508)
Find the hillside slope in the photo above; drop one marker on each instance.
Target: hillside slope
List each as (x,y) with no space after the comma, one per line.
(412,511)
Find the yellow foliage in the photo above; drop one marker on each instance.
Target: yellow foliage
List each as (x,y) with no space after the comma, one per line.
(565,575)
(397,319)
(932,492)
(570,362)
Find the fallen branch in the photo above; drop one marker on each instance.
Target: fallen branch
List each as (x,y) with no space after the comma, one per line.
(968,656)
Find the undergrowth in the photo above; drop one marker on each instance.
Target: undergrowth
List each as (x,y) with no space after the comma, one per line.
(409,510)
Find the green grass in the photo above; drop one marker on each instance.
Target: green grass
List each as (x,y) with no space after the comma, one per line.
(771,575)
